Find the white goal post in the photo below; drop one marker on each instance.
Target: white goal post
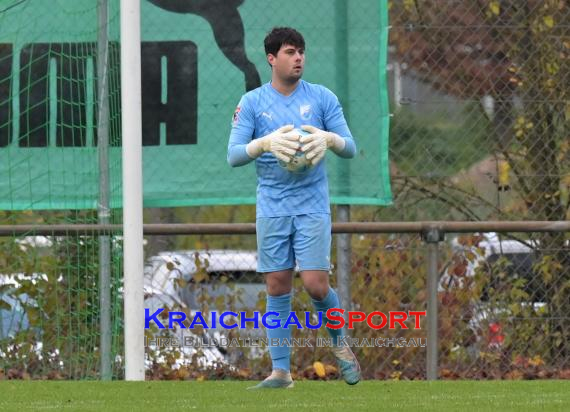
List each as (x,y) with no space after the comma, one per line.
(132,189)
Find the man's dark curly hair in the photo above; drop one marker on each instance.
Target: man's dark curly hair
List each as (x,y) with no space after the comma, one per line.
(279,36)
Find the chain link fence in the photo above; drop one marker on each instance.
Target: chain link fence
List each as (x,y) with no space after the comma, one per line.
(481,109)
(496,311)
(480,129)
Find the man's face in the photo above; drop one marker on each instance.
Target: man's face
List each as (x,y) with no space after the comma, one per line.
(289,63)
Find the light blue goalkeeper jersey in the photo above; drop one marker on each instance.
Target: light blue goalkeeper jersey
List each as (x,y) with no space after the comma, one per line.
(262,111)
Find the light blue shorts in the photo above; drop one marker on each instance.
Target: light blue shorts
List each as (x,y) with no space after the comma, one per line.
(284,242)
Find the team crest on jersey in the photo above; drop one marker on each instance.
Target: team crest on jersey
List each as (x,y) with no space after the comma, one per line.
(236,115)
(305,111)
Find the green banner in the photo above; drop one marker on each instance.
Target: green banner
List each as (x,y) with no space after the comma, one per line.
(198,58)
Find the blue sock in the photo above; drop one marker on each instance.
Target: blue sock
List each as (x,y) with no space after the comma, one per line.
(330,301)
(280,355)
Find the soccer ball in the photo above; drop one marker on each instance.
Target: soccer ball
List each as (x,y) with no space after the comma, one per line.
(299,163)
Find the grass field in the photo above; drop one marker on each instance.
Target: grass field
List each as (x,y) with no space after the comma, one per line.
(306,396)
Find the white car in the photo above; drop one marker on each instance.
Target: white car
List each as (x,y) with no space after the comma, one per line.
(204,280)
(195,277)
(518,260)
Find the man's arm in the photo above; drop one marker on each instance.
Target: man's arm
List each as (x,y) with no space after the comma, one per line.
(316,143)
(243,126)
(282,144)
(335,136)
(349,150)
(242,149)
(237,154)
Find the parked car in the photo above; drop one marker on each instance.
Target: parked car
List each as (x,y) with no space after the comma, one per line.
(194,277)
(196,280)
(504,263)
(164,276)
(13,317)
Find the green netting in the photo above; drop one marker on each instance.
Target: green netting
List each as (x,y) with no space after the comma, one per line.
(48,105)
(50,286)
(49,305)
(198,58)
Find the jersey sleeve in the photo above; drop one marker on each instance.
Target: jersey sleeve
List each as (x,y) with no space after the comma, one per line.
(243,126)
(335,122)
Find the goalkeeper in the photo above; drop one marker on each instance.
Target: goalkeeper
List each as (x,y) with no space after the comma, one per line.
(293,211)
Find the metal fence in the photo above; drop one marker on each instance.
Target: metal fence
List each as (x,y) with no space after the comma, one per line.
(491,309)
(480,129)
(481,109)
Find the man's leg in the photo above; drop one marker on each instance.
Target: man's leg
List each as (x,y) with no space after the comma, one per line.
(275,260)
(316,283)
(311,245)
(279,300)
(325,298)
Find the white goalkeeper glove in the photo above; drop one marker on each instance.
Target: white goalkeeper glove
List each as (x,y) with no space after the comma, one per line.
(318,141)
(282,144)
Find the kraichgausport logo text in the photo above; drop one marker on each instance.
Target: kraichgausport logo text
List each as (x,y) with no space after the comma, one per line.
(333,319)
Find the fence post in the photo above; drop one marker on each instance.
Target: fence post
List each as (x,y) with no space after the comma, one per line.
(103,210)
(343,170)
(344,262)
(432,237)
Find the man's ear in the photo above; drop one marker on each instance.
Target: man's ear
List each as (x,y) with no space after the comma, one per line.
(270,59)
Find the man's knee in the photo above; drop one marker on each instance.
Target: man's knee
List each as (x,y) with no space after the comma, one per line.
(278,289)
(278,283)
(316,287)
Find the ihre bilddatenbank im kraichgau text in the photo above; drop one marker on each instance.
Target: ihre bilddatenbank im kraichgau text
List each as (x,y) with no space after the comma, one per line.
(335,319)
